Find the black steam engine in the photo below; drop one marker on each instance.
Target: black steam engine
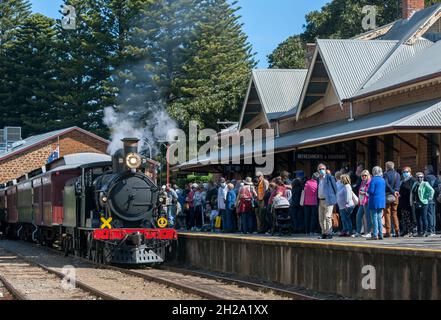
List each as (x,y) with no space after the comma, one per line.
(96,206)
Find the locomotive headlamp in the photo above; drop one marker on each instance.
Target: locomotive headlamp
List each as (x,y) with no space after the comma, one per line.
(103,198)
(133,161)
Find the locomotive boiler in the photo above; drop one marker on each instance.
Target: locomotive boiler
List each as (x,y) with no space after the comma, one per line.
(96,206)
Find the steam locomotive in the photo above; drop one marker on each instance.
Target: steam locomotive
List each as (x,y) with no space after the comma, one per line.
(91,205)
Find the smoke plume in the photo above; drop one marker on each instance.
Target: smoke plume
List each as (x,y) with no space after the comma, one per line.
(125,124)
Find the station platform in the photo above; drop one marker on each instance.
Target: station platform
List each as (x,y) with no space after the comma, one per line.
(395,268)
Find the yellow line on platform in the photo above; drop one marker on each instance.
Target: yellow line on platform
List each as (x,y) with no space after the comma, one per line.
(338,244)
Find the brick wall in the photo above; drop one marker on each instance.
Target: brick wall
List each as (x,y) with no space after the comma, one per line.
(22,163)
(411,6)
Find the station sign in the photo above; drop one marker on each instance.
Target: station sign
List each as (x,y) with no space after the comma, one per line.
(322,156)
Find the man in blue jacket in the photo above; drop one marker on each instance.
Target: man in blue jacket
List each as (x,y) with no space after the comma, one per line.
(327,194)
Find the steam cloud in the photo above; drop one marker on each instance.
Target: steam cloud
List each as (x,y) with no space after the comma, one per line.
(126,124)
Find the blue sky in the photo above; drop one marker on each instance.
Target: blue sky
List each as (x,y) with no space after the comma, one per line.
(266,22)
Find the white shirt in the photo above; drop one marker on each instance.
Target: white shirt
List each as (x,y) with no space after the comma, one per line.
(222,198)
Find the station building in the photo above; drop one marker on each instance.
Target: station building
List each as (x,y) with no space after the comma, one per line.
(25,155)
(369,99)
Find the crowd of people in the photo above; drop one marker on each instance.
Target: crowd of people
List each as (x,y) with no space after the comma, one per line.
(373,204)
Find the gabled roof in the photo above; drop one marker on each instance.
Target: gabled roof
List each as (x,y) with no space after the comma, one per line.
(347,63)
(424,64)
(33,141)
(403,30)
(351,62)
(278,90)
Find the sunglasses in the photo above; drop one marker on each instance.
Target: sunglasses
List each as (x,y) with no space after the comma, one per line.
(405,171)
(420,177)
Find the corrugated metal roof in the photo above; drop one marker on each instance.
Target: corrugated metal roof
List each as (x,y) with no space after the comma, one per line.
(35,140)
(424,63)
(350,63)
(403,53)
(403,30)
(279,89)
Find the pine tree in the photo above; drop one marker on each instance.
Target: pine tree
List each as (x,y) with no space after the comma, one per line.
(29,77)
(338,19)
(213,81)
(87,55)
(12,15)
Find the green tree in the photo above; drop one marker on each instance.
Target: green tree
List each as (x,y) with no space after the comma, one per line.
(338,19)
(12,15)
(290,54)
(214,79)
(29,77)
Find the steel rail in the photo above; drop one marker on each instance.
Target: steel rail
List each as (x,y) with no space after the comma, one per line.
(168,283)
(14,292)
(78,283)
(245,284)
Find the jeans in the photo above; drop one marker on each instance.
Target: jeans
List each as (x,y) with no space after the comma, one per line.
(364,210)
(246,222)
(431,217)
(377,221)
(311,218)
(346,221)
(421,216)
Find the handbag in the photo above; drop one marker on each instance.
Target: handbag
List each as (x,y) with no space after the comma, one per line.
(390,198)
(218,222)
(335,220)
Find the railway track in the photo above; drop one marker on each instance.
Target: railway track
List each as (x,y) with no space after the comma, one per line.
(194,285)
(241,283)
(105,283)
(30,281)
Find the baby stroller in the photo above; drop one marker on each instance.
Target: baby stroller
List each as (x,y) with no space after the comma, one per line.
(282,221)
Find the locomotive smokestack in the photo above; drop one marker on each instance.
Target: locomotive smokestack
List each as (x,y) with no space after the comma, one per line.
(130,145)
